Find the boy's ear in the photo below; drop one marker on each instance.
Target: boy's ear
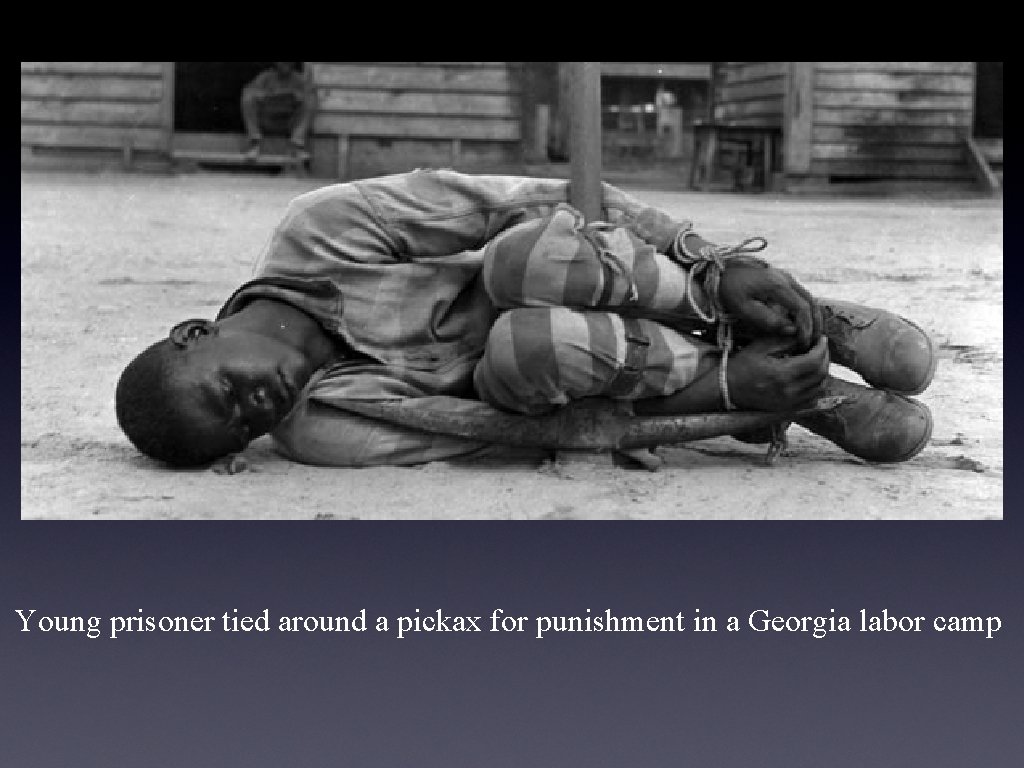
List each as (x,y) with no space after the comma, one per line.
(187,331)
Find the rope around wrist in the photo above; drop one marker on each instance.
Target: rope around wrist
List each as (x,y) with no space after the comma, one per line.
(707,265)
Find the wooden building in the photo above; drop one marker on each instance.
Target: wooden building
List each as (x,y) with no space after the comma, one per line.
(372,117)
(849,122)
(384,117)
(817,124)
(91,111)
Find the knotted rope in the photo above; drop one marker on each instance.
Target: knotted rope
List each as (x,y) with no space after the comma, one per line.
(707,266)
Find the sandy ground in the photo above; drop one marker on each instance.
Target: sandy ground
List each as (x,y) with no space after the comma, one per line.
(110,262)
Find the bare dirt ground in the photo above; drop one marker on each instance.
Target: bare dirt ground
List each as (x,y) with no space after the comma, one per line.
(110,262)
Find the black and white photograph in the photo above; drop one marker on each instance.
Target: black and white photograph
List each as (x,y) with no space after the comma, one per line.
(637,291)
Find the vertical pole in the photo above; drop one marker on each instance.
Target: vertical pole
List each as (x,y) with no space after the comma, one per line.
(585,180)
(585,138)
(341,161)
(541,130)
(167,107)
(798,122)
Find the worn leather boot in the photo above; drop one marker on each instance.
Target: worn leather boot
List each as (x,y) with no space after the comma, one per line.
(872,424)
(888,351)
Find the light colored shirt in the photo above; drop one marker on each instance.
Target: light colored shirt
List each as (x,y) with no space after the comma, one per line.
(390,265)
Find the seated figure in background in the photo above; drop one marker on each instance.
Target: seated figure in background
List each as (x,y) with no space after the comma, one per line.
(279,101)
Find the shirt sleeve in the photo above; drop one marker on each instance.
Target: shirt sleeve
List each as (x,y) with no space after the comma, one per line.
(435,214)
(320,430)
(324,435)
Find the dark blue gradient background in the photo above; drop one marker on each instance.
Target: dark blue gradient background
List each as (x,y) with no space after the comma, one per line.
(722,699)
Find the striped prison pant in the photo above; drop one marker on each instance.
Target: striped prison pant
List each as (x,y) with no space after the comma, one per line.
(586,312)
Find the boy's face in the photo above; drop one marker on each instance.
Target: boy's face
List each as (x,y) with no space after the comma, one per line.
(235,386)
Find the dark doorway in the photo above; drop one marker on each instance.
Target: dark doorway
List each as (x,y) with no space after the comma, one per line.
(207,94)
(988,100)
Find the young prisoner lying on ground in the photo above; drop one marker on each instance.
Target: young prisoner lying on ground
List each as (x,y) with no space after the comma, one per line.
(492,288)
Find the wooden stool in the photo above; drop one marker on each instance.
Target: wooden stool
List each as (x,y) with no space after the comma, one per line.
(753,142)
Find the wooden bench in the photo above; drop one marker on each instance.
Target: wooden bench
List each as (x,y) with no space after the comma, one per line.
(229,150)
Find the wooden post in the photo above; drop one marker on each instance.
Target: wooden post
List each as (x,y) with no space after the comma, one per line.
(974,101)
(167,107)
(341,168)
(538,90)
(585,140)
(127,153)
(541,129)
(798,121)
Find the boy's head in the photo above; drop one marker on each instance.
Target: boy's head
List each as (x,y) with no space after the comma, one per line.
(206,391)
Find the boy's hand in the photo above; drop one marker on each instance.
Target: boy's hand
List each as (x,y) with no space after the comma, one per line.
(770,302)
(764,377)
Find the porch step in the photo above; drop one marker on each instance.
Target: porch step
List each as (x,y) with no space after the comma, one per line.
(233,158)
(229,149)
(992,149)
(985,157)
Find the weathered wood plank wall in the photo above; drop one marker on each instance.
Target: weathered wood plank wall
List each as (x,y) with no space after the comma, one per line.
(892,119)
(95,105)
(749,93)
(391,115)
(399,115)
